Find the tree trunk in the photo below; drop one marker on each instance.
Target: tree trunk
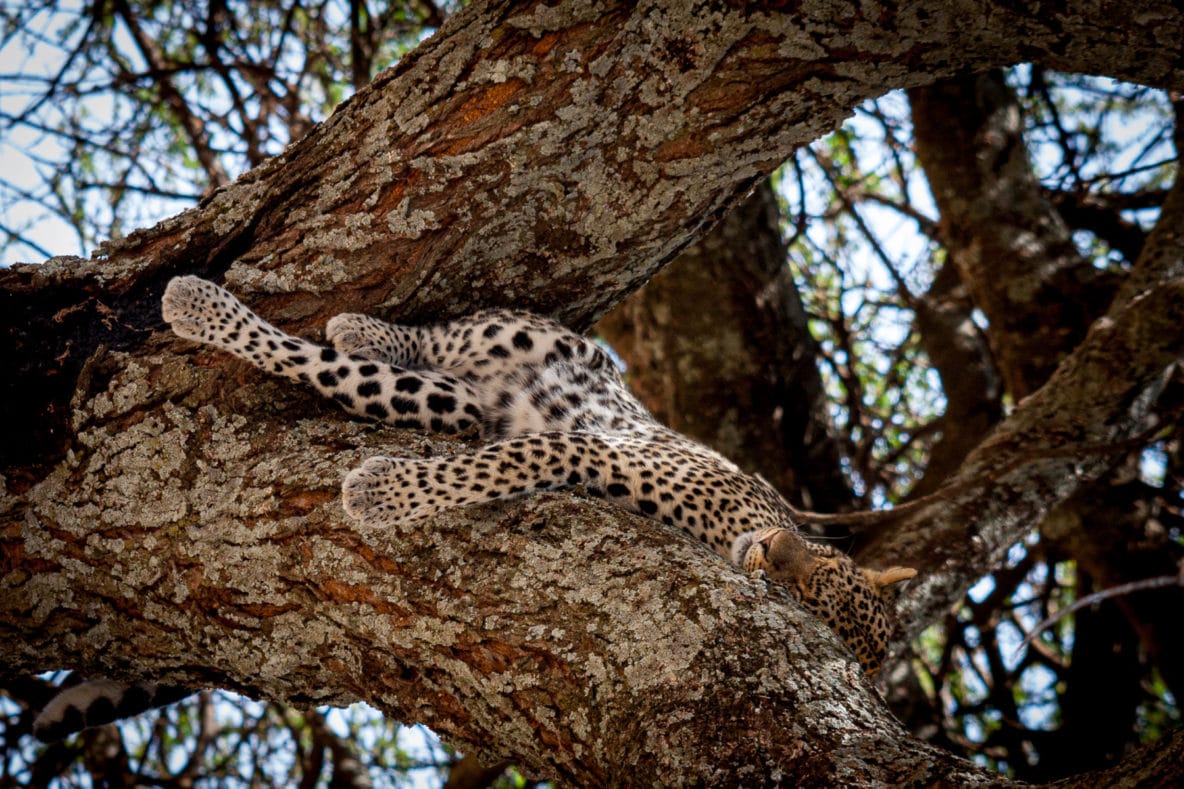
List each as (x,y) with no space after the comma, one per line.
(170,514)
(718,349)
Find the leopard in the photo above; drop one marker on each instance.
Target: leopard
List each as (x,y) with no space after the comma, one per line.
(550,411)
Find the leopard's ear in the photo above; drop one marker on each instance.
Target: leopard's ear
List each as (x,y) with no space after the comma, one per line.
(890,576)
(881,580)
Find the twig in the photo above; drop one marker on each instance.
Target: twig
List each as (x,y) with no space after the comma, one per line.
(1159,582)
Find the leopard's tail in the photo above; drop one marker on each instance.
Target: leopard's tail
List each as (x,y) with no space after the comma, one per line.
(100,701)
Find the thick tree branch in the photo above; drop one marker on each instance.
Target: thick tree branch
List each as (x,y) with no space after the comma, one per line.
(198,542)
(1012,248)
(186,523)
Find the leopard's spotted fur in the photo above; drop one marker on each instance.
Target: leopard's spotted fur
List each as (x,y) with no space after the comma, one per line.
(557,415)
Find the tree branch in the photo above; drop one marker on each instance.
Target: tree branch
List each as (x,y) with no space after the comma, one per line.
(185,522)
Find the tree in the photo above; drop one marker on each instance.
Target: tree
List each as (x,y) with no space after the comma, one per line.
(589,146)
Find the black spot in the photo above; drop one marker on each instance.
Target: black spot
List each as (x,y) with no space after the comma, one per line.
(499,352)
(473,411)
(403,405)
(100,711)
(369,389)
(491,330)
(135,700)
(409,384)
(71,721)
(441,404)
(648,507)
(617,489)
(522,341)
(328,355)
(573,478)
(344,399)
(291,345)
(368,369)
(377,410)
(327,378)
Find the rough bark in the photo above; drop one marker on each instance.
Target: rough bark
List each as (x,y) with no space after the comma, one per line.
(181,519)
(198,542)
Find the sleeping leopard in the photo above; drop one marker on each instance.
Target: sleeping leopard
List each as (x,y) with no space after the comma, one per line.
(553,413)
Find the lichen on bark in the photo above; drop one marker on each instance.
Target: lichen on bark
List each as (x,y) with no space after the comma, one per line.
(176,516)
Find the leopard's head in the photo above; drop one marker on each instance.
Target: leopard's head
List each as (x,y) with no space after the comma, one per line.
(857,603)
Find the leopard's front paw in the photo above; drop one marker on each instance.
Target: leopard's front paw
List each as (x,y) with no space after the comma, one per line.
(362,336)
(197,309)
